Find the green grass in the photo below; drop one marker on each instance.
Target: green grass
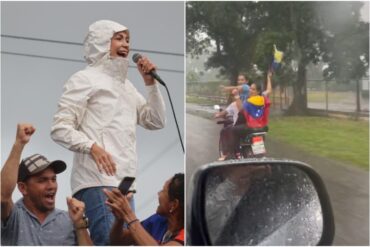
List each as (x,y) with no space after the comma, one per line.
(340,139)
(319,96)
(201,100)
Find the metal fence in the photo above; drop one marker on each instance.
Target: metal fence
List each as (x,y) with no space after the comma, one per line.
(321,95)
(332,96)
(210,93)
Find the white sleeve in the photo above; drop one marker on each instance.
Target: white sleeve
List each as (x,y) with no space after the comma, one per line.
(151,113)
(230,110)
(71,109)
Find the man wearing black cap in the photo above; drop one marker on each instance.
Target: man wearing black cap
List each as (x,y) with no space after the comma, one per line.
(34,220)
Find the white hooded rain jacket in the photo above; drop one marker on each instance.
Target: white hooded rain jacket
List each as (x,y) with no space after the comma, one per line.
(100,105)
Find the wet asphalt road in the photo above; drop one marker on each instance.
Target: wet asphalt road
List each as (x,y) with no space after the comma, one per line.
(348,186)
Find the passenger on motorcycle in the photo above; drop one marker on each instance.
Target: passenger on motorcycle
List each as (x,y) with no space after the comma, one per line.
(230,113)
(242,87)
(255,111)
(230,116)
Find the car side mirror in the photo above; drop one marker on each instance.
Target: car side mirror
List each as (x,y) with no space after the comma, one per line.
(259,202)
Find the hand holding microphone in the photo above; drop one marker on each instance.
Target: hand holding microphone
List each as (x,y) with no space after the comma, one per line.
(146,69)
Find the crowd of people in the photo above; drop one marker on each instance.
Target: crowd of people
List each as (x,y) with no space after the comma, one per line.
(96,119)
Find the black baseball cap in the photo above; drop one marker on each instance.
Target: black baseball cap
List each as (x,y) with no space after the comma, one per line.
(37,163)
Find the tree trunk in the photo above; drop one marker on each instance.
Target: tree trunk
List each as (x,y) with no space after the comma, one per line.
(299,104)
(326,98)
(358,106)
(286,102)
(281,96)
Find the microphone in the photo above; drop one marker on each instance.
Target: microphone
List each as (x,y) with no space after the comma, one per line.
(154,74)
(136,58)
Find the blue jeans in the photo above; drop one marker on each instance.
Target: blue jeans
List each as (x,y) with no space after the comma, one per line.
(99,214)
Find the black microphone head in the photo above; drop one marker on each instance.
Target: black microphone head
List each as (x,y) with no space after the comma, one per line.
(136,57)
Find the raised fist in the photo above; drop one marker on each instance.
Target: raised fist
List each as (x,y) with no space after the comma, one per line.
(24,133)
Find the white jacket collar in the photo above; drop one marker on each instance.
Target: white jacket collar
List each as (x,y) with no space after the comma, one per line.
(116,68)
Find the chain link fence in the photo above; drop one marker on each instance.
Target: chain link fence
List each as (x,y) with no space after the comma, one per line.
(332,96)
(321,95)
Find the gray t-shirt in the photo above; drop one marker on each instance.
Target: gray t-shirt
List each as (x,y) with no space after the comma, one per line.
(23,228)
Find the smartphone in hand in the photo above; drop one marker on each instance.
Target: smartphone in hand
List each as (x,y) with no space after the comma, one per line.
(125,184)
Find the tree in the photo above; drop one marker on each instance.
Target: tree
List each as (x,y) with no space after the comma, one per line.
(244,33)
(226,25)
(347,44)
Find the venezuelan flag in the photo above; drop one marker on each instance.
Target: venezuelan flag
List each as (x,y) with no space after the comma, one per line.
(278,57)
(255,106)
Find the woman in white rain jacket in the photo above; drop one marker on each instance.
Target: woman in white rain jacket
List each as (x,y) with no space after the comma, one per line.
(97,117)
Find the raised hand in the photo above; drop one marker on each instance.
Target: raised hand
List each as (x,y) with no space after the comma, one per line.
(76,210)
(120,205)
(235,92)
(24,133)
(144,65)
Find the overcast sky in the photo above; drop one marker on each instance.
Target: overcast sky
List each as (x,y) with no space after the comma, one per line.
(32,86)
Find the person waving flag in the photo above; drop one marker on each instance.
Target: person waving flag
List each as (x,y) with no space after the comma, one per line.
(278,57)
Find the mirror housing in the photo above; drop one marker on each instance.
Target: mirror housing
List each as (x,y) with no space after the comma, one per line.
(198,232)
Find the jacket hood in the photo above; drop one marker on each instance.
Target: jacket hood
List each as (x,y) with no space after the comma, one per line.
(98,39)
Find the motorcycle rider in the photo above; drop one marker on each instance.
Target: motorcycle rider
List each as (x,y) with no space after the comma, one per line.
(242,87)
(232,110)
(230,114)
(255,111)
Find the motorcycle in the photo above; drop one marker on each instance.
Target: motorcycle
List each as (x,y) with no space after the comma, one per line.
(250,146)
